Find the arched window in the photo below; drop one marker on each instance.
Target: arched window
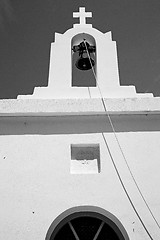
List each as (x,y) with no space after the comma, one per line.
(84,63)
(84,224)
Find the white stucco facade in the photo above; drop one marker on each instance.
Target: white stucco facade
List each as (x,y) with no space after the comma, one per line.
(64,150)
(36,183)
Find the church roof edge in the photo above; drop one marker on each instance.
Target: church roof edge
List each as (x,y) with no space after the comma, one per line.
(64,107)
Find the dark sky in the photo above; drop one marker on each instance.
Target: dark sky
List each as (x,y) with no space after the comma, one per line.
(27,28)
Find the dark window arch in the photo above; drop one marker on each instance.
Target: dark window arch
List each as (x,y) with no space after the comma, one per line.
(83,78)
(86,223)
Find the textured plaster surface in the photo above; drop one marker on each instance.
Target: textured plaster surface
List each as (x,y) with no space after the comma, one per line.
(79,106)
(36,183)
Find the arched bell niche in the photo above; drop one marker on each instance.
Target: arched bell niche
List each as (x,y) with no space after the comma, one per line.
(84,62)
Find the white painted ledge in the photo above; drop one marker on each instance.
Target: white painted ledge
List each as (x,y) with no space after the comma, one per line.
(55,107)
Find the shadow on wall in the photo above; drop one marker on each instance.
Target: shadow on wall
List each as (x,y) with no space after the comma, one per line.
(78,124)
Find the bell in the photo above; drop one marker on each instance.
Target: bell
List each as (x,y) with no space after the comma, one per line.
(84,63)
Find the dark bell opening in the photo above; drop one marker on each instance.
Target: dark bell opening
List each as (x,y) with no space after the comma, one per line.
(85,63)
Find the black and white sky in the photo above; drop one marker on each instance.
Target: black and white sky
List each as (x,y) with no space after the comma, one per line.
(27,29)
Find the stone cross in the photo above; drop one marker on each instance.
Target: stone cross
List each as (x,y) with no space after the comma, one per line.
(82,15)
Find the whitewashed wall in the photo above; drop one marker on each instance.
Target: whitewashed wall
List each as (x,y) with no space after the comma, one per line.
(35,180)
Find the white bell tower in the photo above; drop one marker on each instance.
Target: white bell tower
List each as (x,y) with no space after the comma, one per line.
(105,72)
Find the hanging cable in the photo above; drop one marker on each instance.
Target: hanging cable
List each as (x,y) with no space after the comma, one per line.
(113,129)
(124,188)
(89,92)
